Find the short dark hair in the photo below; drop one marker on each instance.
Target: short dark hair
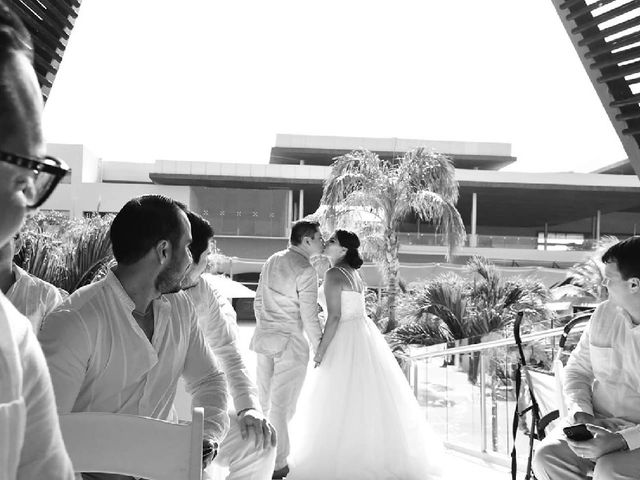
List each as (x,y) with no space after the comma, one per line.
(201,233)
(301,229)
(626,255)
(351,242)
(141,224)
(14,39)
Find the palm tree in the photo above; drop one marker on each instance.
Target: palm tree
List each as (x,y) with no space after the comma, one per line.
(421,182)
(585,278)
(486,304)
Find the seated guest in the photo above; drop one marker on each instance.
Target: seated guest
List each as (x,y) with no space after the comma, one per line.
(31,445)
(33,297)
(248,447)
(121,344)
(602,383)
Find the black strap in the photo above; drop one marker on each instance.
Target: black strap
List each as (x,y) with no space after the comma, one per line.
(514,426)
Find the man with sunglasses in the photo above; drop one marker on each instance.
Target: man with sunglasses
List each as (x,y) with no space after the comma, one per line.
(31,445)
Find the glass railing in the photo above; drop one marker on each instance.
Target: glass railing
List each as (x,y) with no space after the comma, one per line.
(494,241)
(467,392)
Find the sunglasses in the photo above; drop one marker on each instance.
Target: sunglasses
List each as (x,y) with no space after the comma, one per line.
(48,172)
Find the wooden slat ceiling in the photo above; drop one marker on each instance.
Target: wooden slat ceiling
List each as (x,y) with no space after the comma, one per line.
(50,23)
(606,36)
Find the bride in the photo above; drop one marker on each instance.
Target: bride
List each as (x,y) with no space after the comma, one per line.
(357,418)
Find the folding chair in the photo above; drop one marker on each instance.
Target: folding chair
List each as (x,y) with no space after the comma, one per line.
(137,446)
(544,389)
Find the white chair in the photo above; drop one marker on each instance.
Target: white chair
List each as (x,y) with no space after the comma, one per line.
(131,445)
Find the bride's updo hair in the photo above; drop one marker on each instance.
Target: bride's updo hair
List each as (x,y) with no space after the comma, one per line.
(351,242)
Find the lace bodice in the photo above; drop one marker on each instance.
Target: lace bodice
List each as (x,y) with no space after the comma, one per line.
(352,306)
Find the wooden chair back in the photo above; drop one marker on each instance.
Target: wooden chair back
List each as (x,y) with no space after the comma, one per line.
(131,445)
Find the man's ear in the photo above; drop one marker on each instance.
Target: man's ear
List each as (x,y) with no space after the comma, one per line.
(634,282)
(163,251)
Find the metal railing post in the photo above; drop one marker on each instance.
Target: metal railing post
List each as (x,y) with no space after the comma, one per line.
(483,407)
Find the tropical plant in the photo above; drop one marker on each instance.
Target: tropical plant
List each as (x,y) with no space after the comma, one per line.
(495,301)
(444,298)
(585,278)
(380,194)
(483,306)
(67,252)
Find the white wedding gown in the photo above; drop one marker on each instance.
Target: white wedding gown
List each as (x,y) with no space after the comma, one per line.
(357,418)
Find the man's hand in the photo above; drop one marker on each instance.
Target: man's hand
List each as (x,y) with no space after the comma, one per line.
(583,417)
(252,420)
(209,452)
(604,442)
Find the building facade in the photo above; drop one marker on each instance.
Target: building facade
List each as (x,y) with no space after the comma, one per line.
(546,221)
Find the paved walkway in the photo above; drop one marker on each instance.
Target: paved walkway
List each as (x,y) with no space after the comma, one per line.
(459,465)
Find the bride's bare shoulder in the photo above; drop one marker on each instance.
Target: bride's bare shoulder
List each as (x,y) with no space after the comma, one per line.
(334,276)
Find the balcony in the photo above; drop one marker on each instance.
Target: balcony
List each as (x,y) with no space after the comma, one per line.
(474,417)
(500,247)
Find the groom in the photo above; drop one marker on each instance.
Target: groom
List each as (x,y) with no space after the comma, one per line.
(286,304)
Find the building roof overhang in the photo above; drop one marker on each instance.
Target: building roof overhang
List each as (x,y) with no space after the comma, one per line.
(50,23)
(509,199)
(321,150)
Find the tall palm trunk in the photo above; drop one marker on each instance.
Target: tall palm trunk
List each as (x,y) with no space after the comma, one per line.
(392,269)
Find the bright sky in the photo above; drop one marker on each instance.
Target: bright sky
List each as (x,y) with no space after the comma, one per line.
(217,80)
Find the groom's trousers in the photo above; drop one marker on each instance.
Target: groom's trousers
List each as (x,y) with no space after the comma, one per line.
(279,383)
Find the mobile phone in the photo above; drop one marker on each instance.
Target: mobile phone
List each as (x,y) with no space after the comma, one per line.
(578,432)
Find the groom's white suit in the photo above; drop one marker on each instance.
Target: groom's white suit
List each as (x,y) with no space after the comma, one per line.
(286,305)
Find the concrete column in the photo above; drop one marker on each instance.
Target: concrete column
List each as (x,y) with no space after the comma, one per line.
(301,215)
(598,225)
(290,213)
(473,238)
(546,234)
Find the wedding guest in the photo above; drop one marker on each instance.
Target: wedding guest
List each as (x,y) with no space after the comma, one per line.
(249,447)
(286,305)
(33,297)
(31,445)
(602,383)
(120,345)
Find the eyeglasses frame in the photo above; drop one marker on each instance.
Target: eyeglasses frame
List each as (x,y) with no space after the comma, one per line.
(36,164)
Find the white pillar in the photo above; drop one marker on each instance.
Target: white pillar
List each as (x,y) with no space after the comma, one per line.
(546,234)
(290,213)
(598,225)
(473,238)
(301,215)
(301,204)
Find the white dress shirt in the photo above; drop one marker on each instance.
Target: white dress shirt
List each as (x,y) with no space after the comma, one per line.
(31,444)
(602,376)
(286,304)
(221,331)
(102,361)
(33,297)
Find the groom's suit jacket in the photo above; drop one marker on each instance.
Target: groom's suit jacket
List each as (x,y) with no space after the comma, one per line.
(286,305)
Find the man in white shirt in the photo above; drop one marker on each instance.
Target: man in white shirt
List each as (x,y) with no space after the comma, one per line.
(602,383)
(32,296)
(249,447)
(31,445)
(286,307)
(121,344)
